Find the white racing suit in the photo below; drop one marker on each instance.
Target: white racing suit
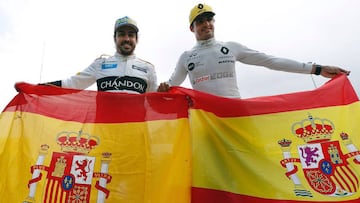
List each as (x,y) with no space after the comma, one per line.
(116,74)
(211,66)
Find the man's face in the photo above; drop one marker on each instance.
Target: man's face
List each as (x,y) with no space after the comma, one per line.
(203,26)
(125,40)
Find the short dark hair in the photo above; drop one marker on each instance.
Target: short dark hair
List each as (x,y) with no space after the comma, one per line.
(203,15)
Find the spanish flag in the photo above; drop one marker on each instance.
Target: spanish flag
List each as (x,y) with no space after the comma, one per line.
(291,148)
(69,146)
(62,145)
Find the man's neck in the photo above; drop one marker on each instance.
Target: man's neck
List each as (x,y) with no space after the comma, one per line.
(207,42)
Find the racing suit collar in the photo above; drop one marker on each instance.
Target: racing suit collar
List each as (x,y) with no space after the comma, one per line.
(208,42)
(124,57)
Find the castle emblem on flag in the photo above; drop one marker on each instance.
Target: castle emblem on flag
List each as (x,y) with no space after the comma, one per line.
(325,166)
(71,172)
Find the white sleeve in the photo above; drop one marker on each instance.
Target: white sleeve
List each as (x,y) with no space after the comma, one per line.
(253,57)
(180,71)
(83,79)
(152,80)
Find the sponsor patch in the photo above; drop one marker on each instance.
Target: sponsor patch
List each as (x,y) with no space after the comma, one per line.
(108,65)
(114,83)
(140,68)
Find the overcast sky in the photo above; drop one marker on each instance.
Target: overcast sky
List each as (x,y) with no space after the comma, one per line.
(44,40)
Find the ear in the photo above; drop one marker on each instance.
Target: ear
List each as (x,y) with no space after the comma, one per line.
(192,27)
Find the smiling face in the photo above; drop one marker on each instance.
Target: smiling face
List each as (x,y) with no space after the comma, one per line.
(203,26)
(125,40)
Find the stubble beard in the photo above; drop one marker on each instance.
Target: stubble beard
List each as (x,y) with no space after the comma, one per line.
(125,51)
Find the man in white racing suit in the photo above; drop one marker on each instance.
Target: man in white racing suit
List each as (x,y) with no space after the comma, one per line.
(122,72)
(210,64)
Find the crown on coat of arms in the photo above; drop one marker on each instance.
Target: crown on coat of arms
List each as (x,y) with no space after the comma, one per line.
(284,142)
(44,147)
(344,136)
(77,142)
(313,130)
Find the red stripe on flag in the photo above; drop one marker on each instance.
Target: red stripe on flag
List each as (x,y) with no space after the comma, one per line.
(350,178)
(58,191)
(201,195)
(339,180)
(335,92)
(97,107)
(353,177)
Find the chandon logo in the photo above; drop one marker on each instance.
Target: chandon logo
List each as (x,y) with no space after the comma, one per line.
(122,83)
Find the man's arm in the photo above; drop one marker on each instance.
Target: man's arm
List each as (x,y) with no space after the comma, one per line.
(328,71)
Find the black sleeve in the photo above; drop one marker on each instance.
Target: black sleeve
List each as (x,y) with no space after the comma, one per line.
(54,83)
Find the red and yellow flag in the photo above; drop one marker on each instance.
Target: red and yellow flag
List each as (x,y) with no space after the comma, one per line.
(301,147)
(61,145)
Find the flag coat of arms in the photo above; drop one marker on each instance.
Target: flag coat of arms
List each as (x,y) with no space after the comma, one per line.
(63,145)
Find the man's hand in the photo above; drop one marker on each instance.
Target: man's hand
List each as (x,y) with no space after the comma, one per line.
(15,86)
(330,71)
(163,87)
